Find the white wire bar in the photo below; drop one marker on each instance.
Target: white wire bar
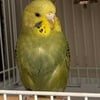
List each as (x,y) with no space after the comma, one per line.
(13,37)
(5,31)
(5,97)
(46,93)
(86,98)
(20,97)
(51,98)
(1,46)
(11,43)
(68,98)
(35,97)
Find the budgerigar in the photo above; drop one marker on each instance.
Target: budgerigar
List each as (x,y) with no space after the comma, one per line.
(42,52)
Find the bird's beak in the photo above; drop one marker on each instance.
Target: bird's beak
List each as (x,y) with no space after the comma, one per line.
(50,17)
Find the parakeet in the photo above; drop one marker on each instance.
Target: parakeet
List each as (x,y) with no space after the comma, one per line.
(42,52)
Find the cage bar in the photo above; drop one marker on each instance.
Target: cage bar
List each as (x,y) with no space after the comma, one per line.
(85,98)
(36,94)
(5,97)
(20,97)
(5,31)
(51,98)
(35,97)
(2,52)
(46,93)
(68,98)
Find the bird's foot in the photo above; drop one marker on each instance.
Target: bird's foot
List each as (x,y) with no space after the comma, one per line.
(26,97)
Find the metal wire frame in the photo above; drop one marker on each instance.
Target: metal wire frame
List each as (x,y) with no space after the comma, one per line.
(36,94)
(8,36)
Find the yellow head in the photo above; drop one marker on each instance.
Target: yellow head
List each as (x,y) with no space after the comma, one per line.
(40,16)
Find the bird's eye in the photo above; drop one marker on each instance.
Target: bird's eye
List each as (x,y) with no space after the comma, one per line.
(37,14)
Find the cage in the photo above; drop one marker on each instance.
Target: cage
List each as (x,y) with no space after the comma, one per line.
(81,27)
